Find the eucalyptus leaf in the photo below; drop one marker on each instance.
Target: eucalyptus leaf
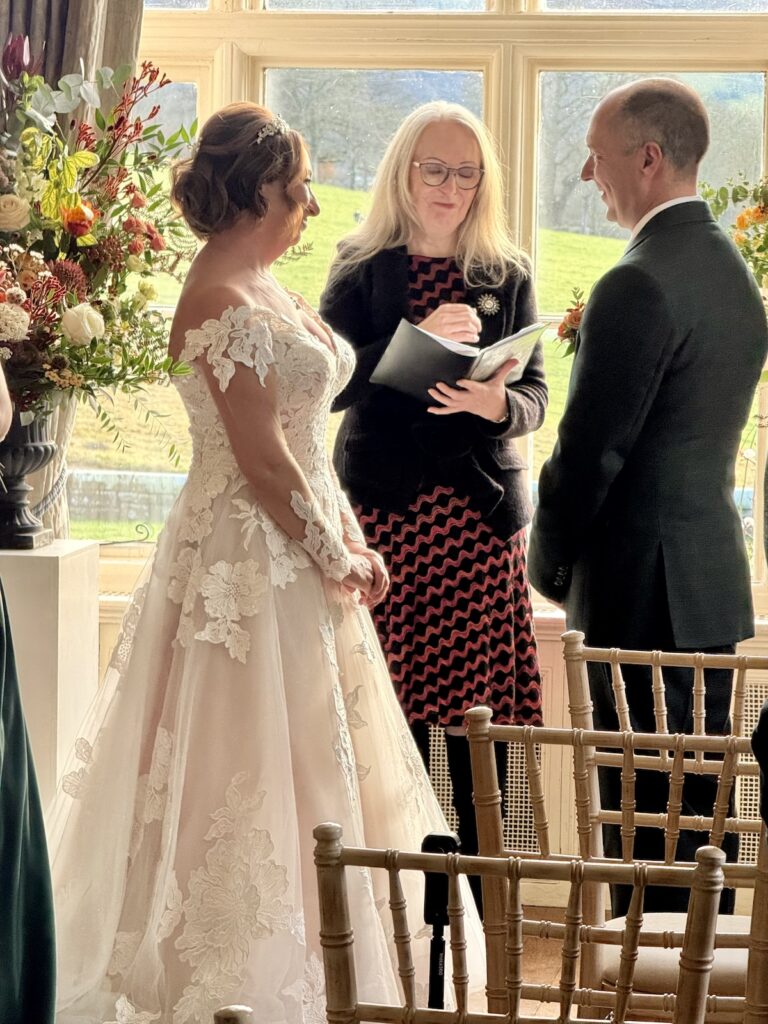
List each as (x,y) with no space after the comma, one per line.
(121,75)
(90,94)
(65,104)
(70,82)
(104,77)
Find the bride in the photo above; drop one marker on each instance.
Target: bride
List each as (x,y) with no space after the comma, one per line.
(247,698)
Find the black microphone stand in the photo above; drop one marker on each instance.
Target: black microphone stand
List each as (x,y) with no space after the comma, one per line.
(436,914)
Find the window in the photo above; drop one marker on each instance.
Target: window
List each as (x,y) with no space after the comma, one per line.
(576,244)
(535,78)
(123,491)
(177,5)
(726,6)
(410,6)
(347,140)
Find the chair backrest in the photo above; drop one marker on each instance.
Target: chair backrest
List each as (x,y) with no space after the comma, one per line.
(577,656)
(673,756)
(687,1006)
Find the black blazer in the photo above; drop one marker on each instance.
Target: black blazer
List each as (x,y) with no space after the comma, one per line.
(636,522)
(389,448)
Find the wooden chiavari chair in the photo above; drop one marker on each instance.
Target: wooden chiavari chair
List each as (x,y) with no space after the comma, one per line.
(687,1004)
(673,756)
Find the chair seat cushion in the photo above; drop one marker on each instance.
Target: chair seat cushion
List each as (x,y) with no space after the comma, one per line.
(656,968)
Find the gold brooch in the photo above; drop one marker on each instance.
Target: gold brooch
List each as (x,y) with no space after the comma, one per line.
(488,305)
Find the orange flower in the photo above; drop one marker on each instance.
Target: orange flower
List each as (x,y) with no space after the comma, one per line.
(759,214)
(573,317)
(752,215)
(78,220)
(739,238)
(133,226)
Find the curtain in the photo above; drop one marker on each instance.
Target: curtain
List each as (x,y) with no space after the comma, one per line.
(101,32)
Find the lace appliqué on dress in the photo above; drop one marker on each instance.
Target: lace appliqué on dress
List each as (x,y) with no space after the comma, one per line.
(325,547)
(239,335)
(352,530)
(286,556)
(237,898)
(310,992)
(73,783)
(152,790)
(124,645)
(126,1013)
(231,591)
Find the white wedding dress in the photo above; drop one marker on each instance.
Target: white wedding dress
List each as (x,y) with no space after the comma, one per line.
(246,701)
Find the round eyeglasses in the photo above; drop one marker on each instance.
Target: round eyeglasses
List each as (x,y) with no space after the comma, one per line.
(434,173)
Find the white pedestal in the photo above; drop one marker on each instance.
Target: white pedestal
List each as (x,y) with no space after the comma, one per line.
(53,604)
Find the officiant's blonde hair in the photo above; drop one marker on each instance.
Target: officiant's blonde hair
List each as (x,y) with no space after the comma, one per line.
(485,252)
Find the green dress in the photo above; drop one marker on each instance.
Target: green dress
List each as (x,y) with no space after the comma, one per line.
(27,957)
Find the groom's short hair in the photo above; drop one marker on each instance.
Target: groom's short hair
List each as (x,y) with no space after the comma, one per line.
(666,112)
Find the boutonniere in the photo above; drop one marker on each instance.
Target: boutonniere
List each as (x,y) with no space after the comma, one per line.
(569,325)
(488,305)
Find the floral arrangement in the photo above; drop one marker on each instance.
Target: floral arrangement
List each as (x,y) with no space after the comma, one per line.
(569,325)
(749,229)
(86,224)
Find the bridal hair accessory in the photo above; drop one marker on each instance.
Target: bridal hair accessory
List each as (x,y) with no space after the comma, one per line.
(488,305)
(276,126)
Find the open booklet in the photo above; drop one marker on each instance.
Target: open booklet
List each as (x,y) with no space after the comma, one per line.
(416,360)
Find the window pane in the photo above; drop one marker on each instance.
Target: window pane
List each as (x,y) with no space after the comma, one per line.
(576,244)
(656,5)
(178,106)
(177,5)
(410,6)
(119,492)
(346,141)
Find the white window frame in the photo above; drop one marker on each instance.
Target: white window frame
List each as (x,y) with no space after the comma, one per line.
(226,49)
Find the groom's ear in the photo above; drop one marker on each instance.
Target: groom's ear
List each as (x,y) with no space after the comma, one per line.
(652,155)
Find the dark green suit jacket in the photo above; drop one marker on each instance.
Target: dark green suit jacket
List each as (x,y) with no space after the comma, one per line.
(636,502)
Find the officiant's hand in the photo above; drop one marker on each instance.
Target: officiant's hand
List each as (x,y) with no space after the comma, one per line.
(486,398)
(455,321)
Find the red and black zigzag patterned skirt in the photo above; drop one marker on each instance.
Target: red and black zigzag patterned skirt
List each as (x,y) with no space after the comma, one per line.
(456,625)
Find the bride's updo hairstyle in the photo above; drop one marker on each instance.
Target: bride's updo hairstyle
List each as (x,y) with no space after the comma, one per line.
(239,149)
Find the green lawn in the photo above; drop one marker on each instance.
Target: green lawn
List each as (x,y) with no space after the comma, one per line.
(563,261)
(106,532)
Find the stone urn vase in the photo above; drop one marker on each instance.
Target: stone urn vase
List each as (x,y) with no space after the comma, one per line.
(26,448)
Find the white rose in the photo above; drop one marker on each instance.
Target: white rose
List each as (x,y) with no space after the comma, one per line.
(134,264)
(14,213)
(82,324)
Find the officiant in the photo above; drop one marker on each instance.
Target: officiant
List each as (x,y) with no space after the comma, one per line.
(438,484)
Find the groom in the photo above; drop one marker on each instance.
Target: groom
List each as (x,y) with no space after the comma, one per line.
(636,532)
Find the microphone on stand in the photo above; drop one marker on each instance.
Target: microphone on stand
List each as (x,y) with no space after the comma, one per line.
(436,913)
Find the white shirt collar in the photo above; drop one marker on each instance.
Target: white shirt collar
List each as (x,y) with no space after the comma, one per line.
(657,209)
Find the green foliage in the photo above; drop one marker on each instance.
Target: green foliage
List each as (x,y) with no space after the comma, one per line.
(88,229)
